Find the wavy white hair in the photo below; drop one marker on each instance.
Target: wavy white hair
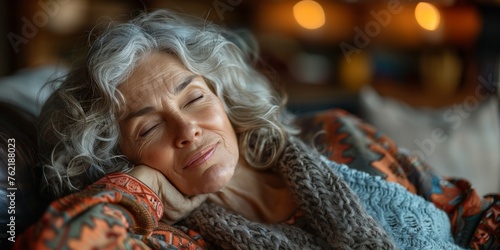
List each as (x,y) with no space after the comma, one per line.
(79,122)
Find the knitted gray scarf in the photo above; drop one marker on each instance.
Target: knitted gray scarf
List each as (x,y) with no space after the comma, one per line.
(337,220)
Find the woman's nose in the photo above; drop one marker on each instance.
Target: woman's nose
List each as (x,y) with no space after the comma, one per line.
(188,132)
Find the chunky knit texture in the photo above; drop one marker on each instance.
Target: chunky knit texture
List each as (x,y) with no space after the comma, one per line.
(412,222)
(338,218)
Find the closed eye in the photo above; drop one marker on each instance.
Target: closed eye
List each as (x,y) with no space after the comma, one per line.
(195,99)
(148,131)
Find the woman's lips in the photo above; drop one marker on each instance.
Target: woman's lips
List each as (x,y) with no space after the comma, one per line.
(201,156)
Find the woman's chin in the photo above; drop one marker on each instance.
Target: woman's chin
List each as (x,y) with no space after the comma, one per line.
(215,178)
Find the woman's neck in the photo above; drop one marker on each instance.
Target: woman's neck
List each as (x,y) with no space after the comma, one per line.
(258,195)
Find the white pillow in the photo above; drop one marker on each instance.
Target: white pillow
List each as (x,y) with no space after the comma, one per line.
(26,88)
(462,143)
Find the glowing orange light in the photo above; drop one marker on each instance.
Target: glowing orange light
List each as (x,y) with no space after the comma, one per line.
(427,15)
(309,14)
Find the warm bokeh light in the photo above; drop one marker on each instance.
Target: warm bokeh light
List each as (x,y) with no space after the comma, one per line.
(427,15)
(356,73)
(309,14)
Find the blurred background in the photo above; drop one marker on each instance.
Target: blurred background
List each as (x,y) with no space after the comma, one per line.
(424,73)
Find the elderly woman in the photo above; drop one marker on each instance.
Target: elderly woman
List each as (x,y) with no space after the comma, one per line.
(167,137)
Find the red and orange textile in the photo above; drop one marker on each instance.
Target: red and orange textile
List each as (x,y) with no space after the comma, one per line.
(116,212)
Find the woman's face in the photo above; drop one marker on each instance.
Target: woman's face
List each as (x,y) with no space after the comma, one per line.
(174,123)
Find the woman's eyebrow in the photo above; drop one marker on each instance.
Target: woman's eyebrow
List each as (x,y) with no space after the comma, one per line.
(184,84)
(149,109)
(139,112)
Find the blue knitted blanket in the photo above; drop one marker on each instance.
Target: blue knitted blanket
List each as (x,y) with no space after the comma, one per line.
(411,221)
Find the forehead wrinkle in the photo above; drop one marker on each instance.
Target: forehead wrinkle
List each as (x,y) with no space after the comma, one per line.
(154,79)
(153,90)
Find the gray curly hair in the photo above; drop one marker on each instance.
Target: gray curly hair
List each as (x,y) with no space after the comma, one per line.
(79,129)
